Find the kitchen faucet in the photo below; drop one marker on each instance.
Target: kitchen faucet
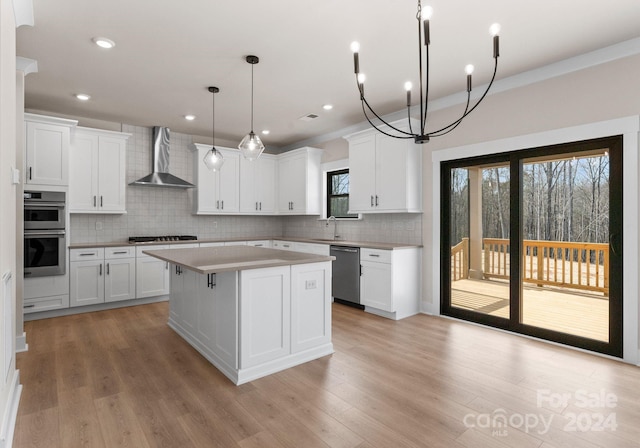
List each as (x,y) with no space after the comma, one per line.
(335,226)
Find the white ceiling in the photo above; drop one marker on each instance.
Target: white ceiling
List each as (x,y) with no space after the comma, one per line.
(168,52)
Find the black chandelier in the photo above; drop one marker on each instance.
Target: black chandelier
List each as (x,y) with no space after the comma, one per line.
(421,135)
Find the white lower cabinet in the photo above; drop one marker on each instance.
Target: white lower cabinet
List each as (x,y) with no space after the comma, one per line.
(101,275)
(265,313)
(120,270)
(86,276)
(295,246)
(390,281)
(152,275)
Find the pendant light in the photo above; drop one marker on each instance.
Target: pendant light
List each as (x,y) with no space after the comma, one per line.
(251,146)
(213,158)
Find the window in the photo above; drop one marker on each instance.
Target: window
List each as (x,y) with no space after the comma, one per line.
(338,194)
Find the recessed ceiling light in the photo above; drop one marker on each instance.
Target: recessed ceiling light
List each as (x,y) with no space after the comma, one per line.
(83,96)
(327,106)
(266,132)
(190,117)
(103,42)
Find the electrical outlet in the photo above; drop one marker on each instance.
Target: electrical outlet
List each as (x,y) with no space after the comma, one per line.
(310,284)
(215,224)
(99,225)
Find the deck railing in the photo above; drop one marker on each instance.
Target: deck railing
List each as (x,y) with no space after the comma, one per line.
(574,265)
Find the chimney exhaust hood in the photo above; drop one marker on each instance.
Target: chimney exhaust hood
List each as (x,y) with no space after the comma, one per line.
(160,176)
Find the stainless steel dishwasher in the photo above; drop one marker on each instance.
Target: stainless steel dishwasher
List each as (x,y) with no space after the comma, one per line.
(345,282)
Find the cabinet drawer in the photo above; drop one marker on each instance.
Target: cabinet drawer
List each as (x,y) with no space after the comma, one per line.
(111,253)
(87,254)
(139,249)
(376,255)
(45,304)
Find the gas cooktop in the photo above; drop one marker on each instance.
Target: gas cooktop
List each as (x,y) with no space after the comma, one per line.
(160,239)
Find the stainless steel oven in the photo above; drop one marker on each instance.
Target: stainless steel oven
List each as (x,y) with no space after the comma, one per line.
(44,253)
(45,239)
(44,210)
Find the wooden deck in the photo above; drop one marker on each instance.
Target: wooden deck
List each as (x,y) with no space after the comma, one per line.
(571,312)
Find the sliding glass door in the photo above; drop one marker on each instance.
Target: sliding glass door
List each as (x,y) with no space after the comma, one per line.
(532,242)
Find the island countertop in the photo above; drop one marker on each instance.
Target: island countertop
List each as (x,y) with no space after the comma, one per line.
(209,260)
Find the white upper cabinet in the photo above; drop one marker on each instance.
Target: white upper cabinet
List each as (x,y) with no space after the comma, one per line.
(258,185)
(385,174)
(97,181)
(217,192)
(47,141)
(299,181)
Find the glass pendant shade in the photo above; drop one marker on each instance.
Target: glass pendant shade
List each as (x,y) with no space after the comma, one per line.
(251,146)
(213,159)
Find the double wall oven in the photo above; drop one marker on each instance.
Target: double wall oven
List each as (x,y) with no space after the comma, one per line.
(44,233)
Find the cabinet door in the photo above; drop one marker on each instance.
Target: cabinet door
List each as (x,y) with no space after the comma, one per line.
(266,187)
(86,283)
(391,173)
(375,286)
(152,277)
(111,174)
(362,179)
(83,176)
(292,184)
(249,185)
(47,154)
(265,313)
(207,185)
(229,183)
(120,279)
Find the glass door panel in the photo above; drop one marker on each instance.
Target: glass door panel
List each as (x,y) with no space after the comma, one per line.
(565,248)
(479,239)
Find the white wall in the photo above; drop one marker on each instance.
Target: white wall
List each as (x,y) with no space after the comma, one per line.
(600,93)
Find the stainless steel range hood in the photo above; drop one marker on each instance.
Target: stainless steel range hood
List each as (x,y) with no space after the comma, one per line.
(160,176)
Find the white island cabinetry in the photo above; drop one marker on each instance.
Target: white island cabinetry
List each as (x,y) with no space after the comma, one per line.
(251,311)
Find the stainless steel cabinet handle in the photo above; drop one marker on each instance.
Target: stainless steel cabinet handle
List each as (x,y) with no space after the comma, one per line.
(374,255)
(101,201)
(256,206)
(29,306)
(167,266)
(218,205)
(30,173)
(100,268)
(371,200)
(376,200)
(260,205)
(120,252)
(222,203)
(95,198)
(108,273)
(87,254)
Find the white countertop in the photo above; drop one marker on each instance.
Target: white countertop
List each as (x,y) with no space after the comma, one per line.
(209,260)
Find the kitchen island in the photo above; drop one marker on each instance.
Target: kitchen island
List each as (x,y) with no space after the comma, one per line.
(250,311)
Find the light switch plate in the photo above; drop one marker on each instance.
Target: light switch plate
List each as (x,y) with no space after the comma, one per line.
(15,176)
(310,284)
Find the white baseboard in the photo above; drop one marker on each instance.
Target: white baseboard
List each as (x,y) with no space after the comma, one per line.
(11,412)
(21,343)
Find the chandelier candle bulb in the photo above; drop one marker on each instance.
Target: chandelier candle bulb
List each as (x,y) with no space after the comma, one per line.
(355,47)
(495,31)
(426,14)
(407,87)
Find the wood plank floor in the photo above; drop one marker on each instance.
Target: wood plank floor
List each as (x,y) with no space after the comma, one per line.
(123,378)
(573,312)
